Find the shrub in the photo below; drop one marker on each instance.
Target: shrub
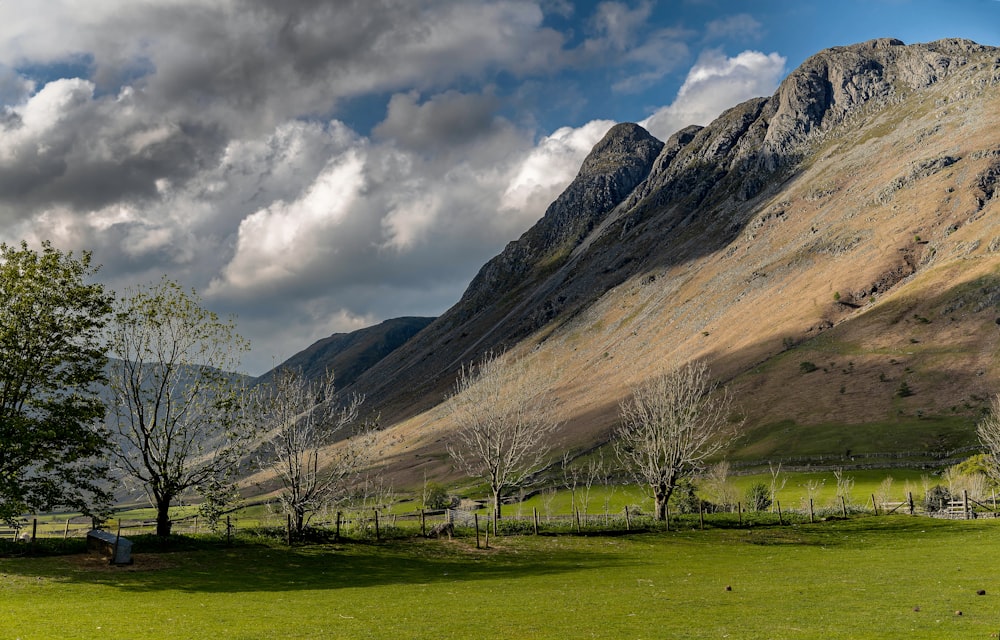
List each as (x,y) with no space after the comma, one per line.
(807,367)
(436,497)
(758,497)
(936,498)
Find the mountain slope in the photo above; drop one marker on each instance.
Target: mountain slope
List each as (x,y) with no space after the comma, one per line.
(847,222)
(349,355)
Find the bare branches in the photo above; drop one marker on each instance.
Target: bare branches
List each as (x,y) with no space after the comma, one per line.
(670,425)
(989,435)
(302,421)
(503,406)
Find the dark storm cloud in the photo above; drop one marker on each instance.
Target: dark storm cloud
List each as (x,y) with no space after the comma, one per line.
(205,141)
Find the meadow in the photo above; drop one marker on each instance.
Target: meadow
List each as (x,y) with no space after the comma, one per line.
(863,577)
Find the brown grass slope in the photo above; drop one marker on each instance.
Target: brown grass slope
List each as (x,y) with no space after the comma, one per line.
(849,221)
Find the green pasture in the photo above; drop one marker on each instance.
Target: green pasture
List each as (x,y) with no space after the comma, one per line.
(794,491)
(866,577)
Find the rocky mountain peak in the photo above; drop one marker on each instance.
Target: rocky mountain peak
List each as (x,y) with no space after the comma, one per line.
(615,166)
(837,82)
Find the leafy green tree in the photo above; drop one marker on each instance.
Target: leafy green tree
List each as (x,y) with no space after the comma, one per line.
(177,409)
(51,363)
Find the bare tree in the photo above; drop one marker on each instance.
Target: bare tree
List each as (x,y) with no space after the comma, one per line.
(571,478)
(301,421)
(670,425)
(503,407)
(721,489)
(778,482)
(176,410)
(989,435)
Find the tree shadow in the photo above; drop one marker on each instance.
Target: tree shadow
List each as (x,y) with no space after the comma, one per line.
(257,568)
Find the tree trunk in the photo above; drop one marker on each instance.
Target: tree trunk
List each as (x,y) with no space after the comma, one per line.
(300,524)
(661,494)
(163,516)
(496,510)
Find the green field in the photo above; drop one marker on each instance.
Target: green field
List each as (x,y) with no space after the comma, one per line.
(866,577)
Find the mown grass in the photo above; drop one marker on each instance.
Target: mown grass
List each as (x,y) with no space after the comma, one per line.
(860,578)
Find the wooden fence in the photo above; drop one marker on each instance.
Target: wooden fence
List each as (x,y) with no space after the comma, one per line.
(374,523)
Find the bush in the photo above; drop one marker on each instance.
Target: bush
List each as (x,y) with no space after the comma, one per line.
(937,499)
(436,497)
(758,497)
(807,367)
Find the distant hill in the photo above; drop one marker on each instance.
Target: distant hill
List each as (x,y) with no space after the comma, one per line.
(349,355)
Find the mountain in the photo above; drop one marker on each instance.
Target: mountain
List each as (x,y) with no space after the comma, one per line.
(349,355)
(832,251)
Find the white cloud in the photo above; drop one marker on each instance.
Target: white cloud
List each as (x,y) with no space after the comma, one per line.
(551,166)
(276,243)
(618,24)
(741,26)
(714,84)
(202,140)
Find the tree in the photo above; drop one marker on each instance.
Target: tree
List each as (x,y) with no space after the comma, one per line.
(988,430)
(51,361)
(176,408)
(670,425)
(301,422)
(503,407)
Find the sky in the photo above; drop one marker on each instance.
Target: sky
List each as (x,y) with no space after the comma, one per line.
(314,167)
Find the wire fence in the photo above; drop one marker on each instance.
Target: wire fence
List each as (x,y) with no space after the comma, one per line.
(377,524)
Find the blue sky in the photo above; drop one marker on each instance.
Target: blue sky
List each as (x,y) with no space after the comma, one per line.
(315,166)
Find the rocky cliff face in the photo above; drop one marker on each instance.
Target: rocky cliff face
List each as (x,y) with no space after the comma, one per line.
(616,165)
(866,169)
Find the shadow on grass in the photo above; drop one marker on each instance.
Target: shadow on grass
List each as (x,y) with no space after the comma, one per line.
(248,567)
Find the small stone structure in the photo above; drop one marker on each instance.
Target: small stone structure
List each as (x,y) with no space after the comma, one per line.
(117,549)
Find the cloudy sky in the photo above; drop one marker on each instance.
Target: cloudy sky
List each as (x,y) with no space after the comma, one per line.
(317,166)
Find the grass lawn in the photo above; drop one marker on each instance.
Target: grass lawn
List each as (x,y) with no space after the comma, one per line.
(861,578)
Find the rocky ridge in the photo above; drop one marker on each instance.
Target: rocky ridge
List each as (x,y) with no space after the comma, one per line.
(863,186)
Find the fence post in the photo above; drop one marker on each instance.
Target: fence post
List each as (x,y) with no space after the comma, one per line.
(874,505)
(534,513)
(965,503)
(118,537)
(66,530)
(377,534)
(34,533)
(628,520)
(229,532)
(488,533)
(423,525)
(476,518)
(336,536)
(739,512)
(909,499)
(811,518)
(843,506)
